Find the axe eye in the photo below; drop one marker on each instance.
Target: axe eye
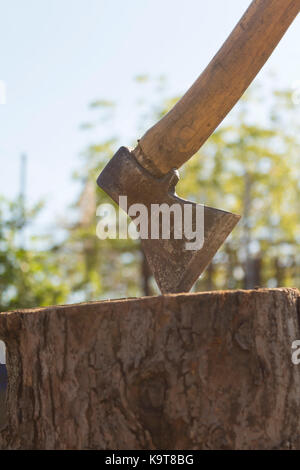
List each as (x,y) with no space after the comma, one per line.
(171,179)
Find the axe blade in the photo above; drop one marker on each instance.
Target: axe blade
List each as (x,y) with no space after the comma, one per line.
(174,267)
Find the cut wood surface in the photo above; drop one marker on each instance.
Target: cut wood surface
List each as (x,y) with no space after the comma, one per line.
(182,371)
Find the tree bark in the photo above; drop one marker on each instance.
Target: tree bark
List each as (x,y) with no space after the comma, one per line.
(187,371)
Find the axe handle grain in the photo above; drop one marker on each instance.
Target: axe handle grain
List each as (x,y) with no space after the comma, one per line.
(181,132)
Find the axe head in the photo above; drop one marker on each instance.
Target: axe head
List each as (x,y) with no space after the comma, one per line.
(175,260)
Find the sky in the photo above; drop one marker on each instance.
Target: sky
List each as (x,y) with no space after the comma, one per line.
(57,56)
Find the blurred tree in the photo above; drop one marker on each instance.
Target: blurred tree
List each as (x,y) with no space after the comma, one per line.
(104,268)
(98,268)
(249,166)
(252,169)
(28,277)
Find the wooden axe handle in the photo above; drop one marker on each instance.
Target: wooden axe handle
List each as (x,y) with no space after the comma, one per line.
(181,132)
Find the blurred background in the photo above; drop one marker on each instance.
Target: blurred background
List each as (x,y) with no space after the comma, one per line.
(78,79)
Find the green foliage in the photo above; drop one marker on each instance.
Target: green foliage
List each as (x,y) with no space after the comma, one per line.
(253,170)
(249,166)
(28,277)
(245,167)
(97,268)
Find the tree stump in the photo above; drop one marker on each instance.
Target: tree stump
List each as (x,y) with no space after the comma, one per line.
(183,371)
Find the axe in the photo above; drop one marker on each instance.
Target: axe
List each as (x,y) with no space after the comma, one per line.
(148,174)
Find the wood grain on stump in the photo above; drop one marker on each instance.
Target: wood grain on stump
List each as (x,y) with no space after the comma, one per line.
(187,371)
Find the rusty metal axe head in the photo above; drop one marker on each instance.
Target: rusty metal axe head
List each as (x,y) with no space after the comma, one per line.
(174,266)
(146,175)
